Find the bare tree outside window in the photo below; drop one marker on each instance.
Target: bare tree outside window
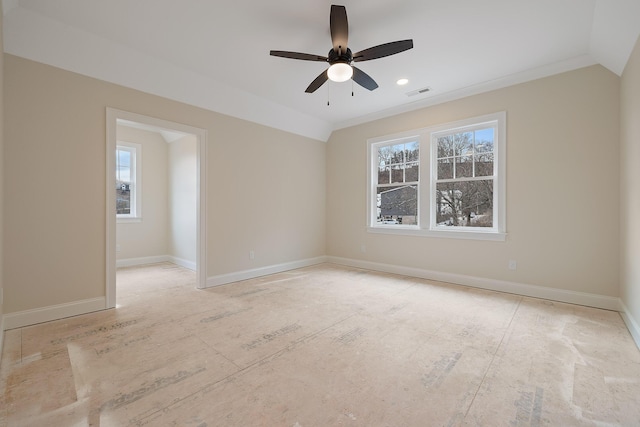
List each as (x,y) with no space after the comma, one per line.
(465,178)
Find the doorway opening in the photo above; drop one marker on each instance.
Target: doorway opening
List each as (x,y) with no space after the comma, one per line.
(155,195)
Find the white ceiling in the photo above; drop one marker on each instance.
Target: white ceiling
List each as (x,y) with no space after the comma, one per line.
(215,54)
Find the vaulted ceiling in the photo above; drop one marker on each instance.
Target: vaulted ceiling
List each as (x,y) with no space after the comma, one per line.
(215,54)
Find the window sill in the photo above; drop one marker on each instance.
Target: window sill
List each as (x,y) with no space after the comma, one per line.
(128,220)
(446,234)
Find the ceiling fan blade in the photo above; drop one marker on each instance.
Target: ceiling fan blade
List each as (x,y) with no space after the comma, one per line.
(339,28)
(383,50)
(319,81)
(297,55)
(363,79)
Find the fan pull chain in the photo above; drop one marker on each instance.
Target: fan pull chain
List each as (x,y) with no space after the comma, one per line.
(351,87)
(328,92)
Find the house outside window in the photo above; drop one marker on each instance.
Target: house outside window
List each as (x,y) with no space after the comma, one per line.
(441,181)
(397,182)
(128,181)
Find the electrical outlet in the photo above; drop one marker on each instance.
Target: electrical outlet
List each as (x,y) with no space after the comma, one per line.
(513,264)
(252,254)
(117,248)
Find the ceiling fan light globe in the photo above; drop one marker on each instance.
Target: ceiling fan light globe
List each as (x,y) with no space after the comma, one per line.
(340,72)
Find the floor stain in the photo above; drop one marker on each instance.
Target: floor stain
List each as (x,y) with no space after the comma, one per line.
(440,370)
(271,336)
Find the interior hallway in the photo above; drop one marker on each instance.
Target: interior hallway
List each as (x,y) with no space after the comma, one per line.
(324,345)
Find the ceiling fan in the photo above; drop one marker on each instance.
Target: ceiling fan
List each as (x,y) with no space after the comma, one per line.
(340,56)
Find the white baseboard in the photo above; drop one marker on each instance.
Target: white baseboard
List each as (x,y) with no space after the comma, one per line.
(52,312)
(55,312)
(131,262)
(631,322)
(561,295)
(191,265)
(224,279)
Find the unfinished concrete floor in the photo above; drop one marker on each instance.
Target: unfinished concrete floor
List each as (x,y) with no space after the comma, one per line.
(321,346)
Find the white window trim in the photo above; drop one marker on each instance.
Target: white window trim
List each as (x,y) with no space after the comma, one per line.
(398,139)
(136,165)
(426,223)
(372,145)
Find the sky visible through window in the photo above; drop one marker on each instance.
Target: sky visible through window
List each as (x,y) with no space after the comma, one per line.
(484,135)
(123,166)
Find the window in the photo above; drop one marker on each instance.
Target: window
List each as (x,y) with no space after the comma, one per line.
(128,181)
(463,162)
(398,182)
(445,181)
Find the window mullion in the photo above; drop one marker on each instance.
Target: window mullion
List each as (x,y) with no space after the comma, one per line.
(465,179)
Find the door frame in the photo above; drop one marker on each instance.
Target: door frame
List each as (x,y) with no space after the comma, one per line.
(113,115)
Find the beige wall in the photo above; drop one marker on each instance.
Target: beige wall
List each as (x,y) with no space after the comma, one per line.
(630,188)
(262,198)
(149,237)
(1,176)
(265,187)
(183,181)
(562,187)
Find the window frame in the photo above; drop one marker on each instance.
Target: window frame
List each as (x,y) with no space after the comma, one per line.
(374,167)
(135,149)
(426,221)
(372,150)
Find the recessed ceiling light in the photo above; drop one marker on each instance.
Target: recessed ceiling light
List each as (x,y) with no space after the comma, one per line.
(402,82)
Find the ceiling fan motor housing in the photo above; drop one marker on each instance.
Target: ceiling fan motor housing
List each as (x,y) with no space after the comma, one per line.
(346,57)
